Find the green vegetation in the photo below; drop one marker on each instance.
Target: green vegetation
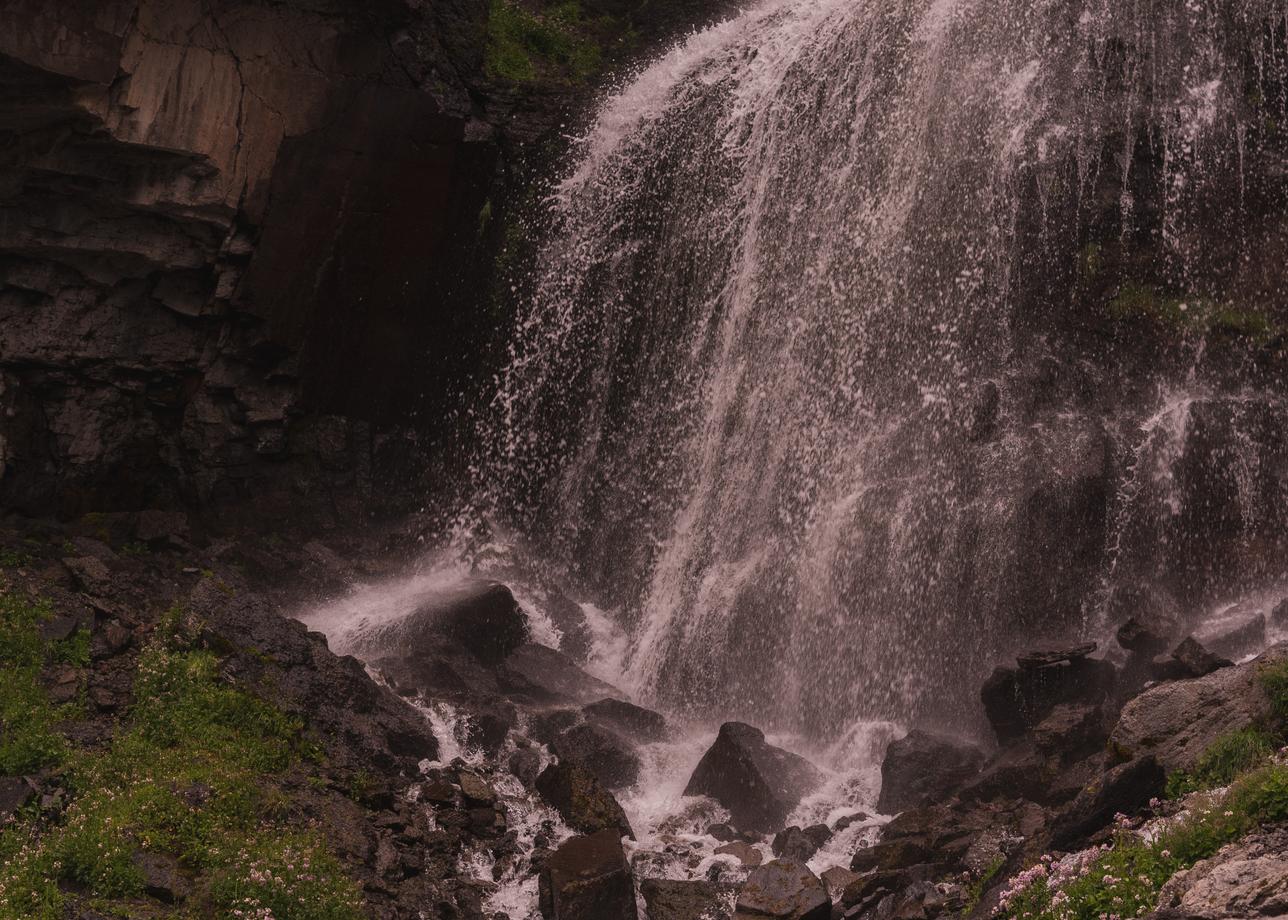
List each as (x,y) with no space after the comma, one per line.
(1194,314)
(1124,879)
(188,775)
(28,741)
(554,43)
(1227,757)
(975,892)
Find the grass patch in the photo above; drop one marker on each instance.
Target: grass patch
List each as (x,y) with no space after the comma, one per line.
(28,741)
(1228,757)
(523,46)
(1274,680)
(189,774)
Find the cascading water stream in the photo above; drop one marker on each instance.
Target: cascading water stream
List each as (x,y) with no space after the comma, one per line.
(779,398)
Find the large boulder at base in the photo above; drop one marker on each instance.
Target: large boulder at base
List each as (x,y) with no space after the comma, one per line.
(635,722)
(484,618)
(783,889)
(1176,722)
(581,799)
(604,753)
(1245,880)
(1017,699)
(759,783)
(922,767)
(543,674)
(694,900)
(588,878)
(1127,788)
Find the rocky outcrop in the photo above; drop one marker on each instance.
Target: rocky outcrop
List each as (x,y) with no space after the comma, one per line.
(786,890)
(588,878)
(1245,880)
(1176,722)
(759,783)
(922,767)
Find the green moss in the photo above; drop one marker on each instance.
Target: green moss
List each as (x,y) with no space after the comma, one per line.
(190,773)
(1274,680)
(1137,301)
(523,46)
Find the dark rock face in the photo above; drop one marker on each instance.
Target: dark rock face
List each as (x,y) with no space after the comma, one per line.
(485,619)
(1196,661)
(1125,789)
(588,879)
(1017,700)
(798,844)
(783,889)
(575,792)
(229,244)
(759,783)
(695,900)
(923,767)
(604,753)
(1247,879)
(633,721)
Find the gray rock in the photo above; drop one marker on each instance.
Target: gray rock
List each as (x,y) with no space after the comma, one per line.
(799,844)
(1070,730)
(15,792)
(691,900)
(1176,722)
(923,767)
(525,765)
(758,783)
(581,800)
(836,880)
(545,674)
(604,753)
(742,851)
(635,722)
(162,878)
(1017,700)
(1043,658)
(1195,660)
(588,878)
(1243,881)
(90,572)
(475,790)
(783,889)
(1126,788)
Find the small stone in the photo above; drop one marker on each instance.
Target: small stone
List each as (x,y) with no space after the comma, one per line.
(1196,660)
(475,790)
(786,890)
(800,845)
(837,879)
(15,792)
(90,573)
(161,877)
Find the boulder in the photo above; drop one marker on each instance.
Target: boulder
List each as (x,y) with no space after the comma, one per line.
(1016,700)
(1177,722)
(633,721)
(1195,660)
(693,900)
(1244,880)
(604,753)
(1070,731)
(836,880)
(1234,638)
(1150,616)
(581,800)
(483,618)
(923,767)
(544,674)
(758,783)
(162,877)
(1044,658)
(588,878)
(15,792)
(800,845)
(783,889)
(1279,616)
(1126,789)
(1019,771)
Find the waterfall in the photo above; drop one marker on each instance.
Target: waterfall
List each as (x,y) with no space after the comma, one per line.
(804,387)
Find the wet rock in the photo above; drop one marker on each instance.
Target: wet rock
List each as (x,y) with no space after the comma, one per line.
(800,845)
(1176,722)
(483,618)
(1071,731)
(693,900)
(15,792)
(581,800)
(867,890)
(62,683)
(90,572)
(1042,659)
(923,767)
(722,832)
(1125,789)
(983,412)
(1195,660)
(162,878)
(836,880)
(1150,615)
(744,852)
(783,889)
(1016,700)
(545,675)
(475,790)
(61,627)
(525,765)
(1137,635)
(1279,615)
(604,753)
(758,783)
(1244,880)
(1019,771)
(111,639)
(588,878)
(633,721)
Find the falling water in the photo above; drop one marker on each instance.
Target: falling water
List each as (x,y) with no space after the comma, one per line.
(795,394)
